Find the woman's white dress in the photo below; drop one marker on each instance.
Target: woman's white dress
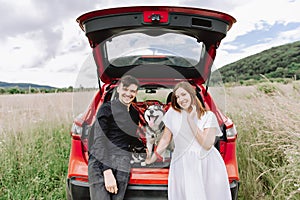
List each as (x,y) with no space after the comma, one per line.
(195,174)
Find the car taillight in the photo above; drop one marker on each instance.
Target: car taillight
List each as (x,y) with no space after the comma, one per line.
(231,132)
(76,129)
(77,126)
(81,131)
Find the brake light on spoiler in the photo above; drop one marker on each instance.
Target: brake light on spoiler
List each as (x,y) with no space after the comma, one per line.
(161,17)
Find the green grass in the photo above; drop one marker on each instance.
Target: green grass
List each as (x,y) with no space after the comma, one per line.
(34,163)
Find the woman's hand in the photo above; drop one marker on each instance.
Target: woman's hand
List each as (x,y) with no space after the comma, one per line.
(150,160)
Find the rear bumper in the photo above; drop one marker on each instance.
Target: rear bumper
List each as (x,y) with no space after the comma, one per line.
(78,190)
(140,192)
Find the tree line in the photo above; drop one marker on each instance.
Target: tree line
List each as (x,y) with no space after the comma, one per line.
(31,90)
(277,63)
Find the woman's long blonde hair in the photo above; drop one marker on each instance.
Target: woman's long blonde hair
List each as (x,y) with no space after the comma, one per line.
(195,101)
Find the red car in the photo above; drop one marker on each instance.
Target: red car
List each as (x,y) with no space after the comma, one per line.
(159,45)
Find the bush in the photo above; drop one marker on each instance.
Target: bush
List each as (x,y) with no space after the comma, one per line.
(14,91)
(267,88)
(2,91)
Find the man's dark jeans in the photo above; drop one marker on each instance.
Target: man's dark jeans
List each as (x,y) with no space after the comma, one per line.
(121,170)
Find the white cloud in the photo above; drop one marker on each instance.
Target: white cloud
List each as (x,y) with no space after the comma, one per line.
(251,14)
(55,79)
(20,51)
(287,36)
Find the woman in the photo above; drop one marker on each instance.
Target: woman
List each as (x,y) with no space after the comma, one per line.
(197,170)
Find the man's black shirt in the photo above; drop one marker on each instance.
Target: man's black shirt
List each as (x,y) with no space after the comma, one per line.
(115,131)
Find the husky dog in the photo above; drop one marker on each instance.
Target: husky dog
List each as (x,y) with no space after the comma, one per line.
(154,127)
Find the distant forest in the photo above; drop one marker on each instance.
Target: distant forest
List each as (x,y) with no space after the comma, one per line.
(28,88)
(277,63)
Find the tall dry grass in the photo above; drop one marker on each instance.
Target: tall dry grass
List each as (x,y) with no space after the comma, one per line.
(35,143)
(22,111)
(267,117)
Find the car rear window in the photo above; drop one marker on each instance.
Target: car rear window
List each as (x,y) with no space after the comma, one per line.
(153,94)
(154,46)
(149,93)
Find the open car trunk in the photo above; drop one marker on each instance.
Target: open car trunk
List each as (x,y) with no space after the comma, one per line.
(155,42)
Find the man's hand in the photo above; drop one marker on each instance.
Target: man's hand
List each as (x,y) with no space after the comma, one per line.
(110,181)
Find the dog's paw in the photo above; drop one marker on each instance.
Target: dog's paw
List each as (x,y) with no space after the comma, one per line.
(143,164)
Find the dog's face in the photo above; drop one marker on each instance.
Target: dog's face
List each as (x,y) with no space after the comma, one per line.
(153,116)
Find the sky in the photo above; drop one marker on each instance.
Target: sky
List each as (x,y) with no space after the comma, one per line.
(41,41)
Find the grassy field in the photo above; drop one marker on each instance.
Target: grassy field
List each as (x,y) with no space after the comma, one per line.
(267,117)
(34,145)
(35,141)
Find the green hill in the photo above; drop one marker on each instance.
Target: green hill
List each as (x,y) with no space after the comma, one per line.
(278,62)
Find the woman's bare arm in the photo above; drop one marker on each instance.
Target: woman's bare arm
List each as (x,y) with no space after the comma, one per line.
(205,138)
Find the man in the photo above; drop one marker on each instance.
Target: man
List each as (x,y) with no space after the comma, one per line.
(115,131)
